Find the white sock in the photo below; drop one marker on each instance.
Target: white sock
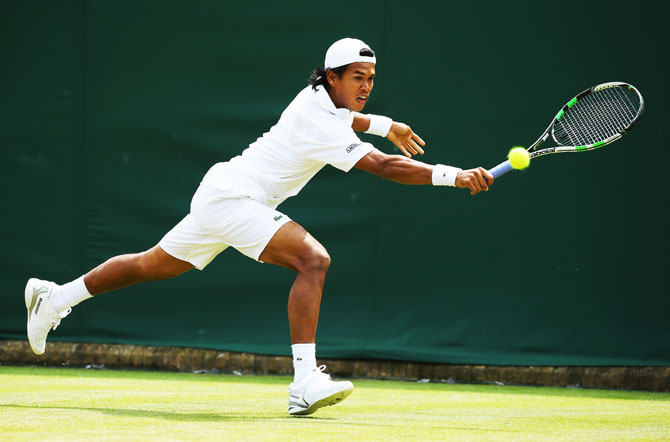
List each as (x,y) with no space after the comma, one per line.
(69,295)
(304,360)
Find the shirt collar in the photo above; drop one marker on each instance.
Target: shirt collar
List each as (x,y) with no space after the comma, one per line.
(324,100)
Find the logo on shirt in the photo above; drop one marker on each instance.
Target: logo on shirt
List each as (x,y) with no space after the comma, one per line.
(352,147)
(278,217)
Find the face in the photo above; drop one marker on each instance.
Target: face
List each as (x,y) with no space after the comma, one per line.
(353,88)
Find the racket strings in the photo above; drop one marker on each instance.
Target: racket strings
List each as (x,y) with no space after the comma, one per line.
(632,101)
(596,125)
(619,103)
(579,127)
(590,122)
(597,117)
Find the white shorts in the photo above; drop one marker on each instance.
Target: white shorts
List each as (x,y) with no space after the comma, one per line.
(217,222)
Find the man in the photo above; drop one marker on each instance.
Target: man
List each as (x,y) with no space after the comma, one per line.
(236,203)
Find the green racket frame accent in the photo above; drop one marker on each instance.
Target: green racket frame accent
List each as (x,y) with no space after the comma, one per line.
(569,105)
(592,146)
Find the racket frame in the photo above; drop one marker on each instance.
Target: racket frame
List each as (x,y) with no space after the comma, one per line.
(505,166)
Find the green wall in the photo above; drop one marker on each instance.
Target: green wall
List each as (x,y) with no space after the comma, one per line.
(113,111)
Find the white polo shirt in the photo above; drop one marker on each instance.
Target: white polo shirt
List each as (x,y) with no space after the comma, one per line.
(310,133)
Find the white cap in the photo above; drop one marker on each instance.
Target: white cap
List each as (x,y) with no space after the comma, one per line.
(347,51)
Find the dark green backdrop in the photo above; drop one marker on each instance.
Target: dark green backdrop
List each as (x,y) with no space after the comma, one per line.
(112,111)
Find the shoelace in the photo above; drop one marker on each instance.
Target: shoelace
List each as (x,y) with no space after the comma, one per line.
(56,323)
(318,371)
(321,368)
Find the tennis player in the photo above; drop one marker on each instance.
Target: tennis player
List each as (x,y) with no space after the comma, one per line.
(236,206)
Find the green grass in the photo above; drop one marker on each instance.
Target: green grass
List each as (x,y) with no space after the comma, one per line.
(74,404)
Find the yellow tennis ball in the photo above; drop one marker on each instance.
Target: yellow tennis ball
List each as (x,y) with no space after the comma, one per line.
(519,158)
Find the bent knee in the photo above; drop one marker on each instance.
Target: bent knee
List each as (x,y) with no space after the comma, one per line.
(317,262)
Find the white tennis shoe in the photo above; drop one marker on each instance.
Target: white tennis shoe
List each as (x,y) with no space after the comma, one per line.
(316,390)
(42,318)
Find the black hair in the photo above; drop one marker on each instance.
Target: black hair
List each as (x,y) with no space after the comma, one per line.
(318,76)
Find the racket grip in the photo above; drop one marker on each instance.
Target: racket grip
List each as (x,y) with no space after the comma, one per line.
(501,169)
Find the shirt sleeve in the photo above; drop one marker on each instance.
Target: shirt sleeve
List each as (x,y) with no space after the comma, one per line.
(337,145)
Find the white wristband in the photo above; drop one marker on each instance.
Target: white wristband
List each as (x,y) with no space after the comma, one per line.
(445,175)
(379,125)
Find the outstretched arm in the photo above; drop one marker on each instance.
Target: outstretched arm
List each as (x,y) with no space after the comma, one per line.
(407,171)
(399,134)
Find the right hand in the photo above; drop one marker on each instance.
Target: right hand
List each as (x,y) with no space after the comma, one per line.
(474,179)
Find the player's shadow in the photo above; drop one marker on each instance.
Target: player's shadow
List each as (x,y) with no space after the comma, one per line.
(184,417)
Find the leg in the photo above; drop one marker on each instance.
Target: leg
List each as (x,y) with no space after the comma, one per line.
(294,248)
(47,303)
(126,270)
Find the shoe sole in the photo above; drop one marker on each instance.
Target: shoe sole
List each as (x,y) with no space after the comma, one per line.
(31,298)
(325,402)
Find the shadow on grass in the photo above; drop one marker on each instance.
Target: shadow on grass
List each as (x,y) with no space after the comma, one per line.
(188,417)
(247,418)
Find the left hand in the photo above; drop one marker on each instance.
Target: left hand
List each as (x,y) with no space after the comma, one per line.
(405,139)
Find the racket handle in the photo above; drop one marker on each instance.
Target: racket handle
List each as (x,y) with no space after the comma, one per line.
(501,169)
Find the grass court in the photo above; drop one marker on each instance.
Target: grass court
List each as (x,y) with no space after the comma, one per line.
(50,404)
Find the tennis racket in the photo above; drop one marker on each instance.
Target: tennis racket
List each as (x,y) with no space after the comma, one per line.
(595,118)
